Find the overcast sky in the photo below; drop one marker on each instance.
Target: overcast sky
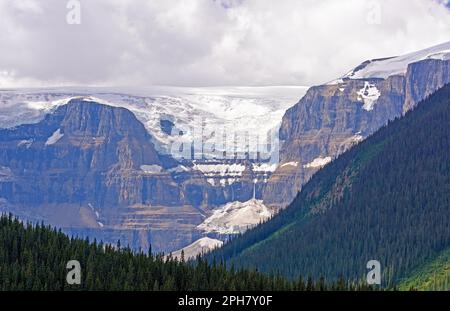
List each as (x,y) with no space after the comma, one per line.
(208,42)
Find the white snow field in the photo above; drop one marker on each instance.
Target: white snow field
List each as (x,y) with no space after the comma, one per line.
(251,111)
(198,247)
(236,217)
(383,68)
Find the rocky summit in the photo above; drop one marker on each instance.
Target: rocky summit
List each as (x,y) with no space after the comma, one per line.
(332,117)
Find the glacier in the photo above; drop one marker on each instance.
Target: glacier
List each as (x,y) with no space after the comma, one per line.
(254,110)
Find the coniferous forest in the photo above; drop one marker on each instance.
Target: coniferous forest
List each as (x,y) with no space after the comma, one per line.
(35,258)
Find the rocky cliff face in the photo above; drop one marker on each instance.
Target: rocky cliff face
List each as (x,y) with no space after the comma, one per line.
(332,117)
(99,167)
(86,167)
(423,78)
(80,146)
(93,170)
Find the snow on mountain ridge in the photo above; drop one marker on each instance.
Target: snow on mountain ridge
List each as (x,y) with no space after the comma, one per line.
(255,110)
(386,67)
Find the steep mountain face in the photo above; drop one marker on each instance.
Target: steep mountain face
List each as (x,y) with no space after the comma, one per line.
(92,169)
(95,143)
(332,117)
(99,166)
(386,199)
(166,112)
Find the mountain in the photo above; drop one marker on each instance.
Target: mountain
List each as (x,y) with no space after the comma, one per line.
(164,109)
(385,199)
(85,168)
(332,117)
(99,165)
(186,163)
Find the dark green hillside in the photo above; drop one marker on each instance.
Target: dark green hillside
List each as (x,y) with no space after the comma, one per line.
(35,258)
(387,199)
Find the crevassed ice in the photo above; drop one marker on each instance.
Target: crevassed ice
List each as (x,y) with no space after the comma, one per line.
(255,110)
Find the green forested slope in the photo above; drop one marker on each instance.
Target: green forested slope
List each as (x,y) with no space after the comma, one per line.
(434,275)
(387,199)
(35,258)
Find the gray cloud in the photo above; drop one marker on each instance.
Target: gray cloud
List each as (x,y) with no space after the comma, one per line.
(208,42)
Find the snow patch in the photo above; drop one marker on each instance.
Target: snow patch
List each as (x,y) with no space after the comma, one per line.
(199,247)
(357,138)
(236,217)
(318,162)
(151,169)
(56,136)
(264,167)
(179,169)
(295,164)
(5,173)
(211,170)
(26,143)
(369,94)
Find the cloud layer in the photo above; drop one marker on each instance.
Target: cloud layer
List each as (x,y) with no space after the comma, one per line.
(208,42)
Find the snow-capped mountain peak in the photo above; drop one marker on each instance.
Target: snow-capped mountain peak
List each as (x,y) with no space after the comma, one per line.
(385,67)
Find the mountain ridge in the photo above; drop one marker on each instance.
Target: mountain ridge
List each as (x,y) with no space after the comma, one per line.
(384,199)
(332,117)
